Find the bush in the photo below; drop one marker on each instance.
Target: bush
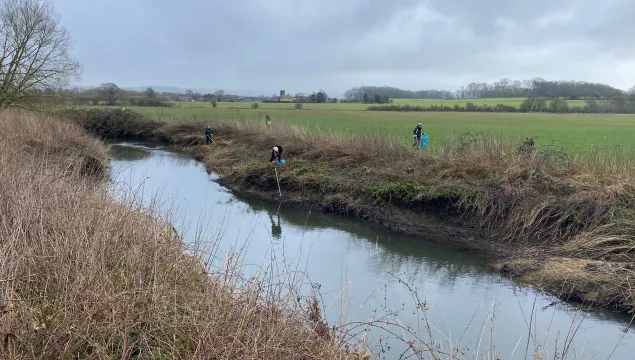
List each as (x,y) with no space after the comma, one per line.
(254,105)
(559,106)
(532,104)
(112,123)
(298,106)
(505,108)
(214,103)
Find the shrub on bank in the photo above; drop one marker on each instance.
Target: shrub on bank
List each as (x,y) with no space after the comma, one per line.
(111,122)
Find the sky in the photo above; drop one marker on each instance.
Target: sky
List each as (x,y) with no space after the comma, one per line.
(302,46)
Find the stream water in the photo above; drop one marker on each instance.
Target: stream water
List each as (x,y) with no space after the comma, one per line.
(337,253)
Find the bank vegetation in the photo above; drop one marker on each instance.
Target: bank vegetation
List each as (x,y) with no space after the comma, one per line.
(566,223)
(85,277)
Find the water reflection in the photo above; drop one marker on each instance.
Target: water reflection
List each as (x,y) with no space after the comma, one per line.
(128,153)
(276,228)
(338,253)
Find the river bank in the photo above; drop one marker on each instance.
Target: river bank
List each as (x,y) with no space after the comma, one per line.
(85,276)
(563,224)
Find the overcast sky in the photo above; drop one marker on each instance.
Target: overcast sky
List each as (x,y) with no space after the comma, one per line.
(298,45)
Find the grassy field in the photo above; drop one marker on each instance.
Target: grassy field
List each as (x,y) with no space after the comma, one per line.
(359,106)
(575,132)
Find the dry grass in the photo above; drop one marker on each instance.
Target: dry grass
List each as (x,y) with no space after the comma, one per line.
(542,205)
(84,277)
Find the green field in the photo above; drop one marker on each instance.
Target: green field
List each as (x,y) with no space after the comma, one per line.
(575,132)
(359,106)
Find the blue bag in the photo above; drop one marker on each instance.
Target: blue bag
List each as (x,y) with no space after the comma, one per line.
(424,141)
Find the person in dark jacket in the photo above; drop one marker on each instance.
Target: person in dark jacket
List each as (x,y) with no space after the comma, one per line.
(208,135)
(416,135)
(276,155)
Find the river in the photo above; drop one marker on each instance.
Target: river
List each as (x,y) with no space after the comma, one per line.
(460,292)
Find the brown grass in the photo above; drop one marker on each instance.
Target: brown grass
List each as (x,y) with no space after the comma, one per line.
(84,277)
(542,206)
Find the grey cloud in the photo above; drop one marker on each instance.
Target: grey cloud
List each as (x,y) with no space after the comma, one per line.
(262,44)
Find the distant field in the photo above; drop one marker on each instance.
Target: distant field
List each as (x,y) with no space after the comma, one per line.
(359,106)
(575,132)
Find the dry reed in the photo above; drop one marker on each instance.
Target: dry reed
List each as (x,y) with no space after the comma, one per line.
(82,276)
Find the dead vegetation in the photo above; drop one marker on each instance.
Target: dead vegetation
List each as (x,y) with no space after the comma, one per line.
(83,277)
(543,205)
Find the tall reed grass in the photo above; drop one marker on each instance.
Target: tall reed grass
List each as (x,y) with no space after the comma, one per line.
(82,276)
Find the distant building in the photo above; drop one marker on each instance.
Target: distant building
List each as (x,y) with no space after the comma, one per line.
(285,98)
(186,98)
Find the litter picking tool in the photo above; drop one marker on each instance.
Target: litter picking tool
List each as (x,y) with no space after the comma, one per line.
(277,180)
(210,139)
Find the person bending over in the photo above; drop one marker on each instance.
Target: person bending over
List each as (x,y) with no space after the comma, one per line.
(276,155)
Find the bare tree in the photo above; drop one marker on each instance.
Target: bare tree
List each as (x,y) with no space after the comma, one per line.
(220,95)
(631,92)
(110,92)
(35,53)
(150,94)
(189,92)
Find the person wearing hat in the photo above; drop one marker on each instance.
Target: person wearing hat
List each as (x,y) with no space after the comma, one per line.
(416,135)
(276,155)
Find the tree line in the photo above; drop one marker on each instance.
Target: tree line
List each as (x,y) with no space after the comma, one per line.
(624,104)
(504,88)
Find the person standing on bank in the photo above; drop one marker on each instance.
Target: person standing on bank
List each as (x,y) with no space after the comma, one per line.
(416,135)
(208,135)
